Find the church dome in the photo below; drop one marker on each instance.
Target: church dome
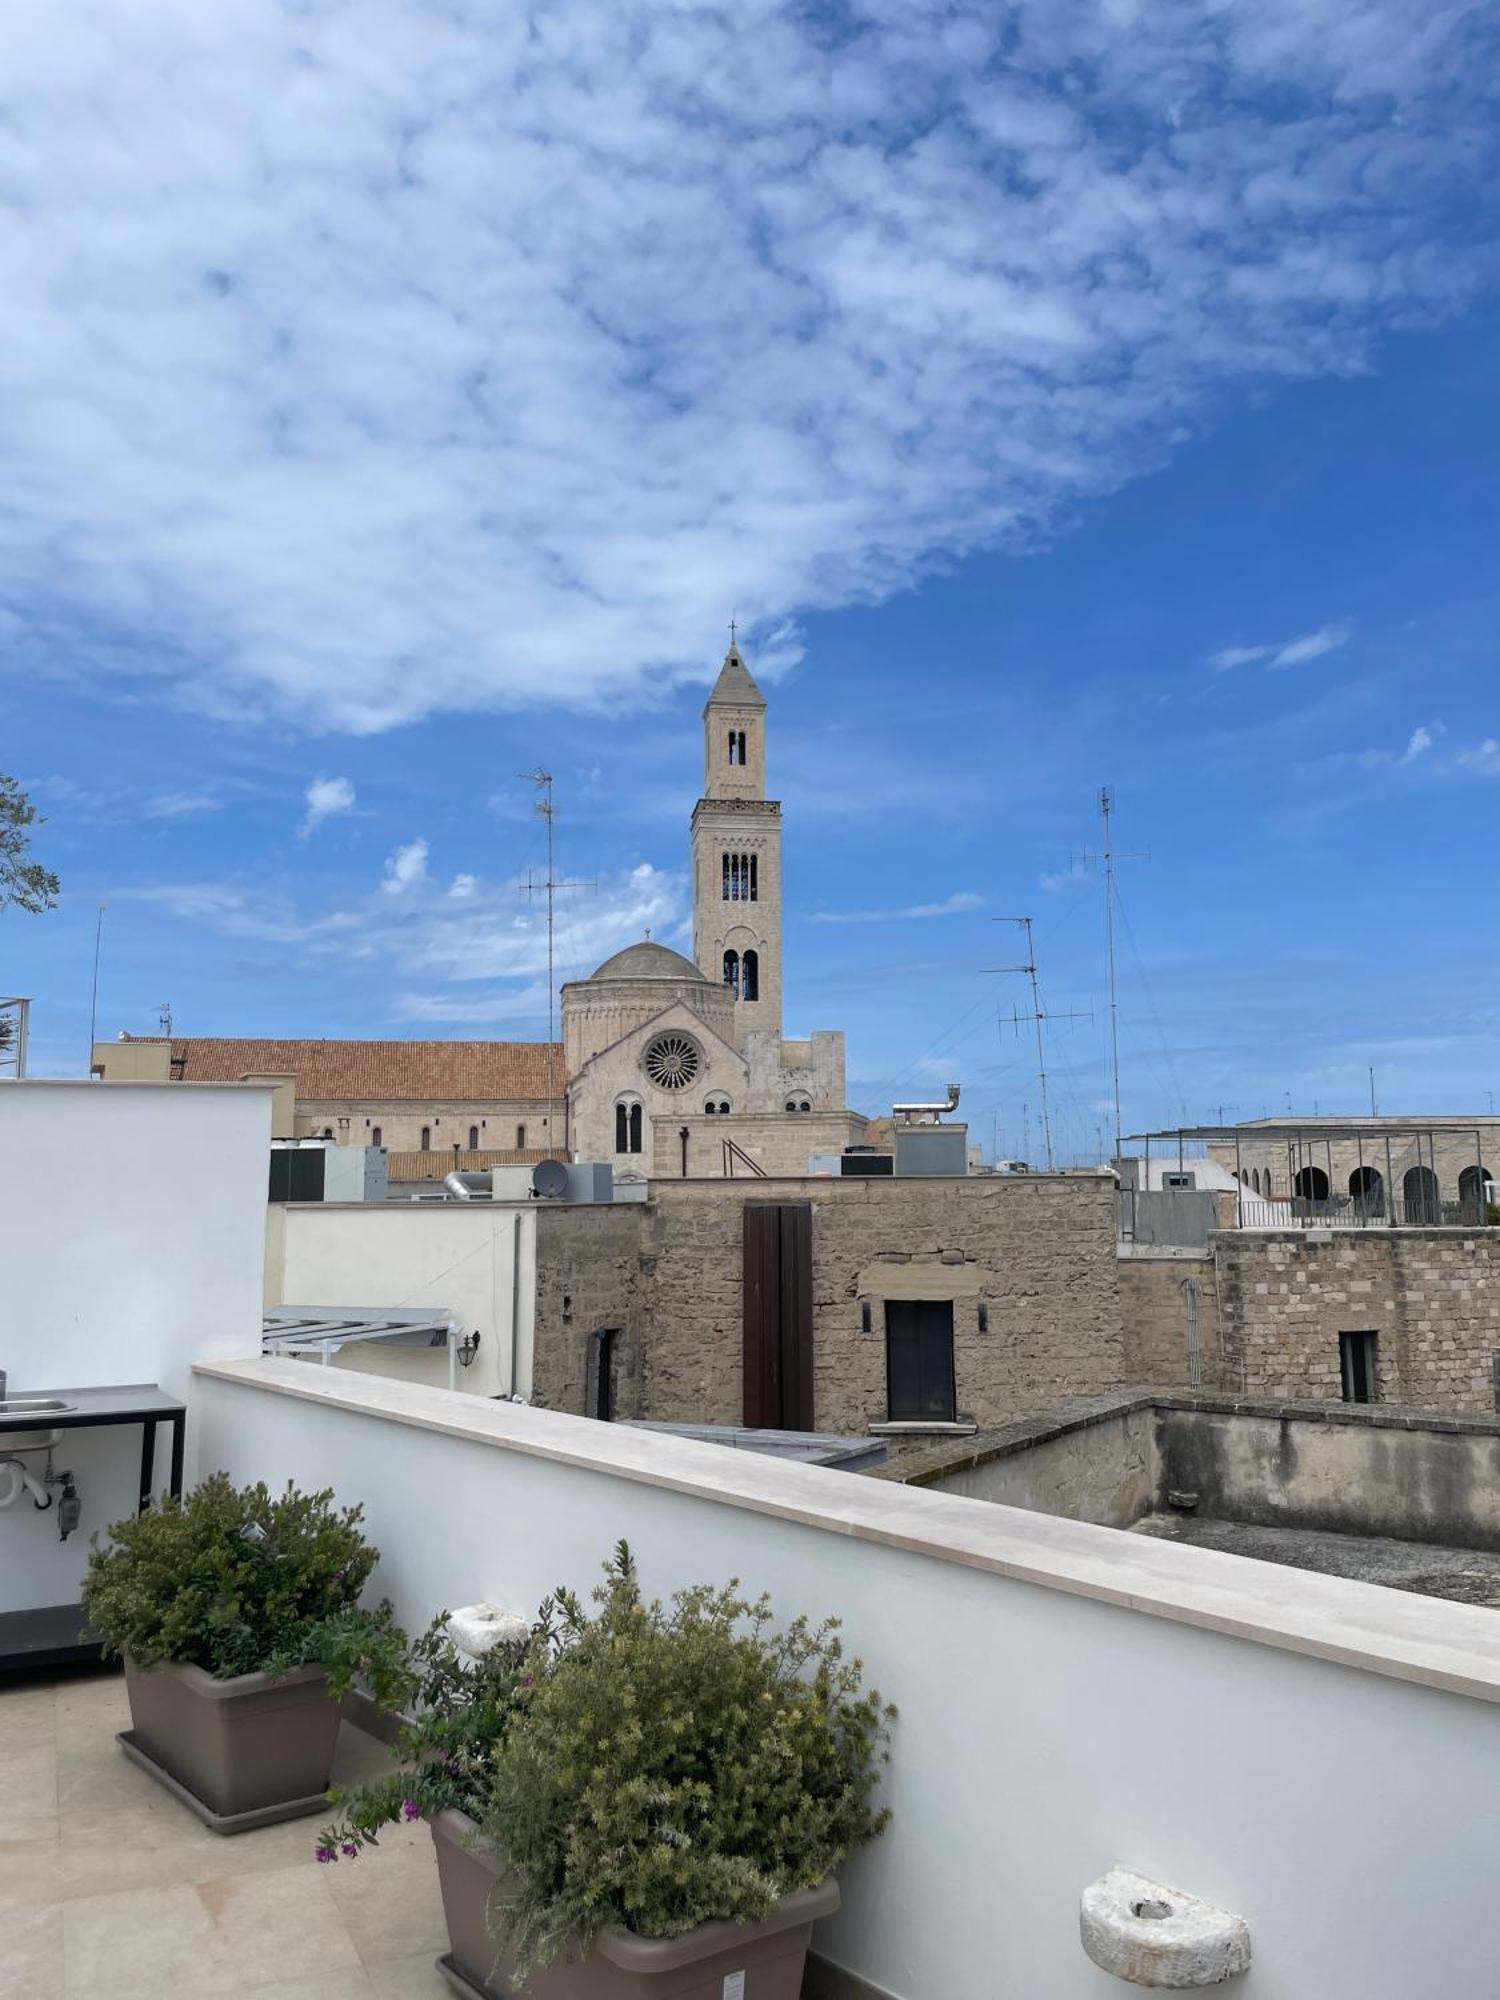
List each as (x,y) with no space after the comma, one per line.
(649,960)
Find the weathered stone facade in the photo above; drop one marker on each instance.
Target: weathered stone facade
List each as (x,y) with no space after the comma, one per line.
(1028,1264)
(1169,1311)
(1430,1296)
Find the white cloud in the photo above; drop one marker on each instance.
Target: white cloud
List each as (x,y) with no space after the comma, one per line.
(1289,653)
(180,805)
(1065,878)
(326,798)
(1483,758)
(956,905)
(1420,742)
(1229,657)
(405,869)
(365,361)
(462,887)
(480,957)
(1311,646)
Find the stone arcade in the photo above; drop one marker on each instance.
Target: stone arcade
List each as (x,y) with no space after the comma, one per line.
(679,1066)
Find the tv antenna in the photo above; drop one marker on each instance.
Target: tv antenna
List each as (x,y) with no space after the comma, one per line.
(549,886)
(1108,857)
(1037,1016)
(164,1019)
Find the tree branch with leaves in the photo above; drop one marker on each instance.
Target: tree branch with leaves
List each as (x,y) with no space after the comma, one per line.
(23,882)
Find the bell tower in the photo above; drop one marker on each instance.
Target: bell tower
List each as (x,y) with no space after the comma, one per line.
(737,852)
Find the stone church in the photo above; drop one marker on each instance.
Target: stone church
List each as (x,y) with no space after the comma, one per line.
(679,1066)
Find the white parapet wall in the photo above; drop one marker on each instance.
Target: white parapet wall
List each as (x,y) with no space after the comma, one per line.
(132,1222)
(1315,1754)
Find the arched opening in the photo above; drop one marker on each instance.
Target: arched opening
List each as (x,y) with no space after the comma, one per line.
(750,981)
(737,746)
(716,1106)
(520,1138)
(1420,1192)
(426,1138)
(1255,1179)
(1310,1185)
(799,1104)
(375,1138)
(327,1131)
(628,1125)
(732,972)
(473,1138)
(1476,1191)
(1267,1185)
(1367,1191)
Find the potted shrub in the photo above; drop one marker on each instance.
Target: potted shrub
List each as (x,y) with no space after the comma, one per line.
(446,1745)
(661,1799)
(237,1616)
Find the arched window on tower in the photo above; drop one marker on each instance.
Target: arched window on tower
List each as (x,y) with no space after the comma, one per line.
(628,1125)
(737,746)
(750,976)
(732,972)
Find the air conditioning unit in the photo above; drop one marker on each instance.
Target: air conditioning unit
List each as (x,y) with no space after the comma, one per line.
(326,1172)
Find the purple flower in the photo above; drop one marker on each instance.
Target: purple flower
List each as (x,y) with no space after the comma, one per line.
(349,1848)
(410,1810)
(323,1853)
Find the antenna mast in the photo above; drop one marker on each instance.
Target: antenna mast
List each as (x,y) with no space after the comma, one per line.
(1106,807)
(1037,1015)
(94,995)
(543,782)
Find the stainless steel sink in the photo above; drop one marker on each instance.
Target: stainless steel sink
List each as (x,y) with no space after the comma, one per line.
(25,1406)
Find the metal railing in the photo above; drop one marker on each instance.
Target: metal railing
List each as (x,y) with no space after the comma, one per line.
(1354,1212)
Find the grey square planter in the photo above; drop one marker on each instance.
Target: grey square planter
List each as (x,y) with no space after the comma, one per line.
(699,1966)
(239,1753)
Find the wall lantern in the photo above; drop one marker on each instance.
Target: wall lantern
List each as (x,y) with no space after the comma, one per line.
(467,1348)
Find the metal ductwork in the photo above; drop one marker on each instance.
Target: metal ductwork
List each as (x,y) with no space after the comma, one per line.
(932,1112)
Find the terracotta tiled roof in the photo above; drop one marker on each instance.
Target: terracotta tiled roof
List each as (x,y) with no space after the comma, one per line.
(473,1072)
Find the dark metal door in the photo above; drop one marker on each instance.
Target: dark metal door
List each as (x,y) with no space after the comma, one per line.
(778,1347)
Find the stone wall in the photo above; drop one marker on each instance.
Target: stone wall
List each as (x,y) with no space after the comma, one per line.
(1161,1292)
(1032,1258)
(590,1276)
(1431,1297)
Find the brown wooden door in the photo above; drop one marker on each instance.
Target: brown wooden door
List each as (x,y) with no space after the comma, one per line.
(778,1315)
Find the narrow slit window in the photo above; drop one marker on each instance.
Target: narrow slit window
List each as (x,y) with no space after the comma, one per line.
(732,972)
(1357,1367)
(750,976)
(426,1138)
(521,1138)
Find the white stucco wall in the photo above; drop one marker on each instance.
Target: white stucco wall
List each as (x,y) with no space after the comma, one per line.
(460,1256)
(1070,1696)
(132,1217)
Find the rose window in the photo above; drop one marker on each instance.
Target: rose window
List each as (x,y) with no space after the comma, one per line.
(672,1062)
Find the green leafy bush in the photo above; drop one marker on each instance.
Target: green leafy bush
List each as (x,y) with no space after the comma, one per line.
(447,1747)
(665,1767)
(235,1581)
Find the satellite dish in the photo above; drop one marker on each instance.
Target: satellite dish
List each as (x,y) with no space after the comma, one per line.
(549,1179)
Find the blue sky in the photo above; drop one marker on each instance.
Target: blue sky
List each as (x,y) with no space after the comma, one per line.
(1063,395)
